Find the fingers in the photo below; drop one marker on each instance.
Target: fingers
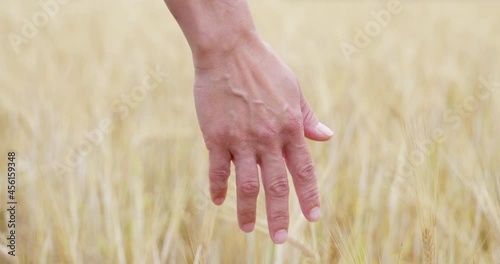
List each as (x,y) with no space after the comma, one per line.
(247,182)
(276,187)
(301,167)
(219,169)
(313,129)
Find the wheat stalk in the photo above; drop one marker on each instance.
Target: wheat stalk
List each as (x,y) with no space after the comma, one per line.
(427,237)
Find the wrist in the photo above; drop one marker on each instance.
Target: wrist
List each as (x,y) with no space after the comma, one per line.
(213,51)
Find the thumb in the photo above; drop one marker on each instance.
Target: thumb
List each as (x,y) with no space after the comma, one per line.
(313,129)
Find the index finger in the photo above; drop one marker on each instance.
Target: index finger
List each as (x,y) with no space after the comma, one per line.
(301,166)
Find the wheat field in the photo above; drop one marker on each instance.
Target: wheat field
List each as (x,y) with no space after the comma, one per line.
(109,172)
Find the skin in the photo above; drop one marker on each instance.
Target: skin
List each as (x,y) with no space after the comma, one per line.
(251,112)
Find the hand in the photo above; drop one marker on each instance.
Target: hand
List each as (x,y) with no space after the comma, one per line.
(251,111)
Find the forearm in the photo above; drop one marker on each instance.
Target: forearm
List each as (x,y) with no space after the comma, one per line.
(213,28)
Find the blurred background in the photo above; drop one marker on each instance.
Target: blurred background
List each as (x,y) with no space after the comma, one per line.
(112,172)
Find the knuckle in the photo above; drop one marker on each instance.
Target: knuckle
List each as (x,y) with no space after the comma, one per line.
(310,198)
(218,135)
(218,187)
(306,173)
(247,215)
(280,216)
(265,134)
(210,142)
(249,189)
(220,131)
(293,125)
(279,188)
(219,175)
(218,180)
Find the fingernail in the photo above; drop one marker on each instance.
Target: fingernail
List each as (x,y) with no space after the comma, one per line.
(218,201)
(314,214)
(324,129)
(280,236)
(248,227)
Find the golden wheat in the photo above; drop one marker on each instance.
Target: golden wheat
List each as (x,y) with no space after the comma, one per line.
(411,175)
(427,238)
